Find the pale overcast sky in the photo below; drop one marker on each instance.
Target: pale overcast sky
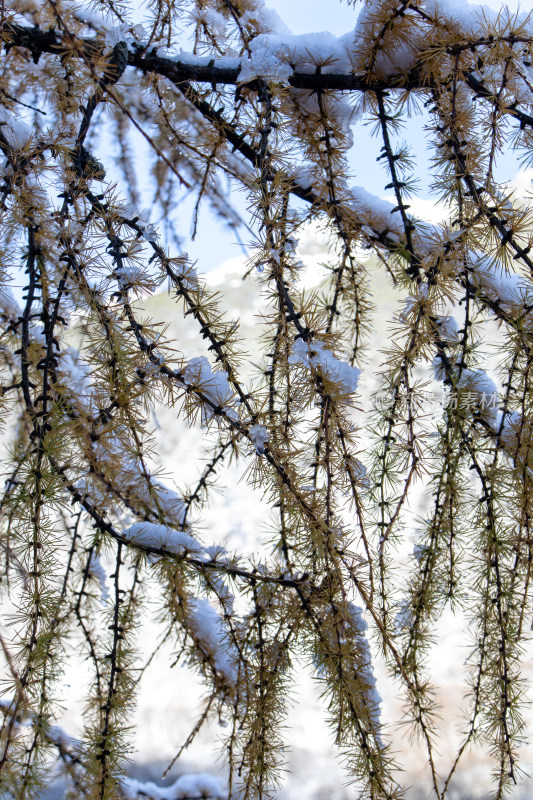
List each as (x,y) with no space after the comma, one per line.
(305,16)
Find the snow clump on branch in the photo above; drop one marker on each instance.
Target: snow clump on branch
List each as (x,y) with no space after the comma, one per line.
(97,571)
(315,356)
(366,670)
(274,57)
(260,436)
(213,385)
(209,629)
(153,536)
(16,133)
(201,785)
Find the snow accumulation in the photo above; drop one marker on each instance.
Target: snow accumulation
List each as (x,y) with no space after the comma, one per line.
(165,500)
(186,58)
(186,272)
(365,670)
(75,372)
(275,53)
(315,356)
(478,381)
(375,212)
(201,785)
(209,630)
(214,385)
(474,380)
(466,18)
(274,57)
(263,18)
(124,33)
(97,571)
(128,275)
(142,219)
(411,302)
(161,537)
(260,437)
(16,132)
(448,329)
(163,503)
(507,287)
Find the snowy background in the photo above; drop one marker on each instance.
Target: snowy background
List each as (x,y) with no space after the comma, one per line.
(170,698)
